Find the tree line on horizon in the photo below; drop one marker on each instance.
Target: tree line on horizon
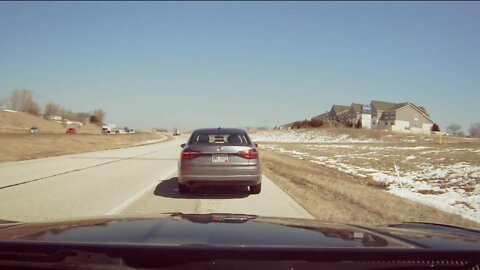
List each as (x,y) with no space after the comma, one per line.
(24,101)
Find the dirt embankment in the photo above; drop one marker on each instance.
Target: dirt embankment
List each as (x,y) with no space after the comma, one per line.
(334,196)
(14,147)
(20,123)
(345,135)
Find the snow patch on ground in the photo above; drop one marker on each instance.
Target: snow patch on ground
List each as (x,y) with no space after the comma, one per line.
(74,123)
(454,188)
(300,136)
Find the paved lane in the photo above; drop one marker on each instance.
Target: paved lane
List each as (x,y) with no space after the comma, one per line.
(135,180)
(165,198)
(15,173)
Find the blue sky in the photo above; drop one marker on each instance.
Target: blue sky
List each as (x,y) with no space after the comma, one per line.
(197,64)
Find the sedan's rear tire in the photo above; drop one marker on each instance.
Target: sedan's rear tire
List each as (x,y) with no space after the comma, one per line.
(183,189)
(256,189)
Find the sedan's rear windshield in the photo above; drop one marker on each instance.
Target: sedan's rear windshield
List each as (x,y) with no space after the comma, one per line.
(220,138)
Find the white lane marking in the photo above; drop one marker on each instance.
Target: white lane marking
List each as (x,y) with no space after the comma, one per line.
(137,196)
(114,160)
(148,142)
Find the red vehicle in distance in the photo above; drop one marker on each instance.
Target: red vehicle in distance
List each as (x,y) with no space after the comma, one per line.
(71,131)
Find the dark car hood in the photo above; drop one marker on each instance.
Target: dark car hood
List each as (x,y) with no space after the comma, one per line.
(230,230)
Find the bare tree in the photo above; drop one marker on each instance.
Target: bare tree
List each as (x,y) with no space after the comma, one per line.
(316,123)
(23,101)
(435,127)
(66,114)
(475,130)
(97,117)
(55,109)
(51,109)
(33,108)
(13,102)
(454,128)
(82,117)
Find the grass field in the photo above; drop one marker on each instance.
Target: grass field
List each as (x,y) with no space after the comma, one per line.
(20,123)
(413,168)
(14,147)
(334,196)
(17,144)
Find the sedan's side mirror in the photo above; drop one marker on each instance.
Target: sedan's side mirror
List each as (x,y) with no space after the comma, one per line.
(183,145)
(256,145)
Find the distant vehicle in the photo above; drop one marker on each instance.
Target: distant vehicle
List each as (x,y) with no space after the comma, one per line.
(34,130)
(106,129)
(71,131)
(176,132)
(219,157)
(131,131)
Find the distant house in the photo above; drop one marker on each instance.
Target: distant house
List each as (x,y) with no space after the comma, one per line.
(342,116)
(354,113)
(338,113)
(286,126)
(377,108)
(322,116)
(406,117)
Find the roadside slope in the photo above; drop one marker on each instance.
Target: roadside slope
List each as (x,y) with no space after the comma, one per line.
(20,122)
(334,196)
(15,147)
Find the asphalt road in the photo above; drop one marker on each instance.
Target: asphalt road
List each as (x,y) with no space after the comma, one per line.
(132,181)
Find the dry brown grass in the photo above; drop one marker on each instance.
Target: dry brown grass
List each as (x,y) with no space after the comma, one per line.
(383,156)
(395,137)
(334,196)
(14,147)
(19,122)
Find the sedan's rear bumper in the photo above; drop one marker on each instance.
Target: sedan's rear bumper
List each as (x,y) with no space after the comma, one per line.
(220,180)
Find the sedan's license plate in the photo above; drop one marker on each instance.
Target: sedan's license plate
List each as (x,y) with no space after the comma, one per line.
(219,158)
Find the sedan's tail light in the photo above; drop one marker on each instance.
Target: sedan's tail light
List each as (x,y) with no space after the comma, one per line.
(249,154)
(190,154)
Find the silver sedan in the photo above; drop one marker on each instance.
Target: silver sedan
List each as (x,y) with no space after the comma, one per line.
(219,156)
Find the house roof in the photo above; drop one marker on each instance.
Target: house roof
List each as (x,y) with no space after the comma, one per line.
(382,105)
(422,110)
(356,107)
(342,113)
(340,108)
(320,116)
(397,106)
(403,104)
